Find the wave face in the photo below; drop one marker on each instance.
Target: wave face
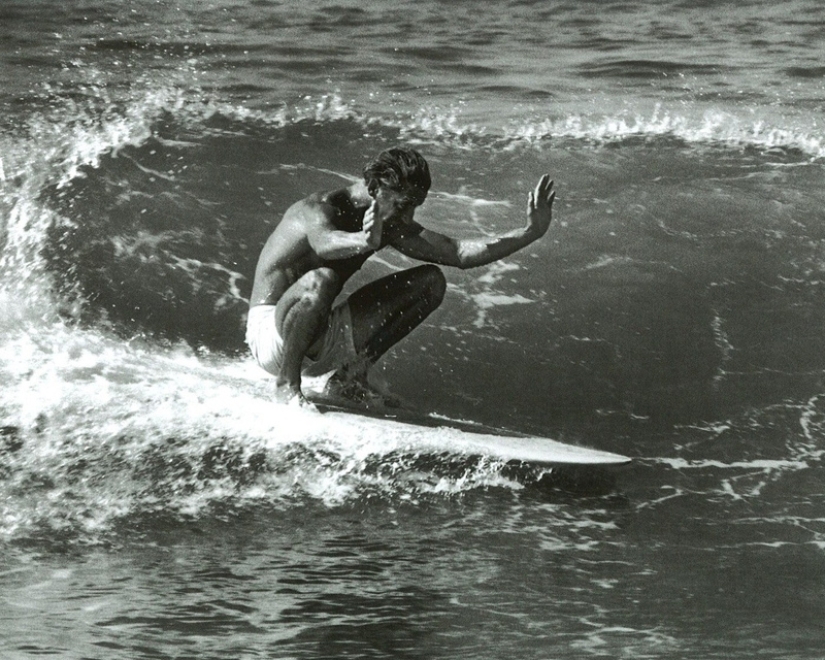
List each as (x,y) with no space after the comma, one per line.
(142,222)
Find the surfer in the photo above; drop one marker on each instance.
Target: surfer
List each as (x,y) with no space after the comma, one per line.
(295,326)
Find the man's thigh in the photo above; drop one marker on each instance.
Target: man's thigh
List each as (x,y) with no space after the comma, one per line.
(376,304)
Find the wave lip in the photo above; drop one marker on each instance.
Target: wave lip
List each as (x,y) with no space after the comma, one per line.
(711,127)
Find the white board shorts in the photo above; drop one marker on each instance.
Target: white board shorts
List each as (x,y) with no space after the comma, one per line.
(267,345)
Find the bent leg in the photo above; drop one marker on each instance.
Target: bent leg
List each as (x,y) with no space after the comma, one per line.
(388,309)
(301,317)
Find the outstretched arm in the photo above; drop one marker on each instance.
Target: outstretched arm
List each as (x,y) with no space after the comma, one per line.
(469,253)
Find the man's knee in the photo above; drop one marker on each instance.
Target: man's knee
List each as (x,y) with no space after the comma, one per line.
(321,285)
(312,294)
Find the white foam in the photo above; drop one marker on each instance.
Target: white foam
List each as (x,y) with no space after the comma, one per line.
(123,427)
(759,128)
(757,464)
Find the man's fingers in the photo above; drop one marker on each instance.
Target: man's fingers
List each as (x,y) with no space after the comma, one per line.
(548,186)
(369,216)
(542,195)
(543,187)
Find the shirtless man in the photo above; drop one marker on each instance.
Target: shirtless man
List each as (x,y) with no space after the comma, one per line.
(293,326)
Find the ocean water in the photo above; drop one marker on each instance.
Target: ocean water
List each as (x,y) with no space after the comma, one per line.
(155,503)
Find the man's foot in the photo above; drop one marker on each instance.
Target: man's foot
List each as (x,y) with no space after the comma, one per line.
(294,398)
(358,390)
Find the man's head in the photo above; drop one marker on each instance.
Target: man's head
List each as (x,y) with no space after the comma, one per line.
(402,172)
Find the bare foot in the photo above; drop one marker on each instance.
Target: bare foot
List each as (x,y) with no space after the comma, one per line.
(293,398)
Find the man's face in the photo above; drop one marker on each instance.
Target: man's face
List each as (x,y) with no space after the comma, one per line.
(398,204)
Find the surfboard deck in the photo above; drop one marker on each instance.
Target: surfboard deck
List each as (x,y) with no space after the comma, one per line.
(442,434)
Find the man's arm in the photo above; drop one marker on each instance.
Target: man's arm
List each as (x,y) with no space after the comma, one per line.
(330,243)
(437,248)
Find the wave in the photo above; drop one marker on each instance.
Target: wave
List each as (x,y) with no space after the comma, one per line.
(98,435)
(145,214)
(129,233)
(76,129)
(70,137)
(709,128)
(704,125)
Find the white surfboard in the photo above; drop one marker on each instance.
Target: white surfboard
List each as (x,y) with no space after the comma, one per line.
(439,435)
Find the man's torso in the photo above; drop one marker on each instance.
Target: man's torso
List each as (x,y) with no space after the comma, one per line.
(288,255)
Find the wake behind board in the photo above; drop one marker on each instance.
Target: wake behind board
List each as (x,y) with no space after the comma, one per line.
(430,433)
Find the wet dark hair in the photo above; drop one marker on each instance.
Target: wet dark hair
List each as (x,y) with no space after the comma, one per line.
(397,167)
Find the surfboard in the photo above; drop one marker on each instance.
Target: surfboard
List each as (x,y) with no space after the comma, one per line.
(443,435)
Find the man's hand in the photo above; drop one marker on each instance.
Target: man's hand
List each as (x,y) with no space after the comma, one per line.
(540,207)
(372,227)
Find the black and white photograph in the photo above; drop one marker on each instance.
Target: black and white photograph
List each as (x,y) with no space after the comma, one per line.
(412,329)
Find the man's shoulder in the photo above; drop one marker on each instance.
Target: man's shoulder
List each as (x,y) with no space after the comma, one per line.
(309,210)
(326,205)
